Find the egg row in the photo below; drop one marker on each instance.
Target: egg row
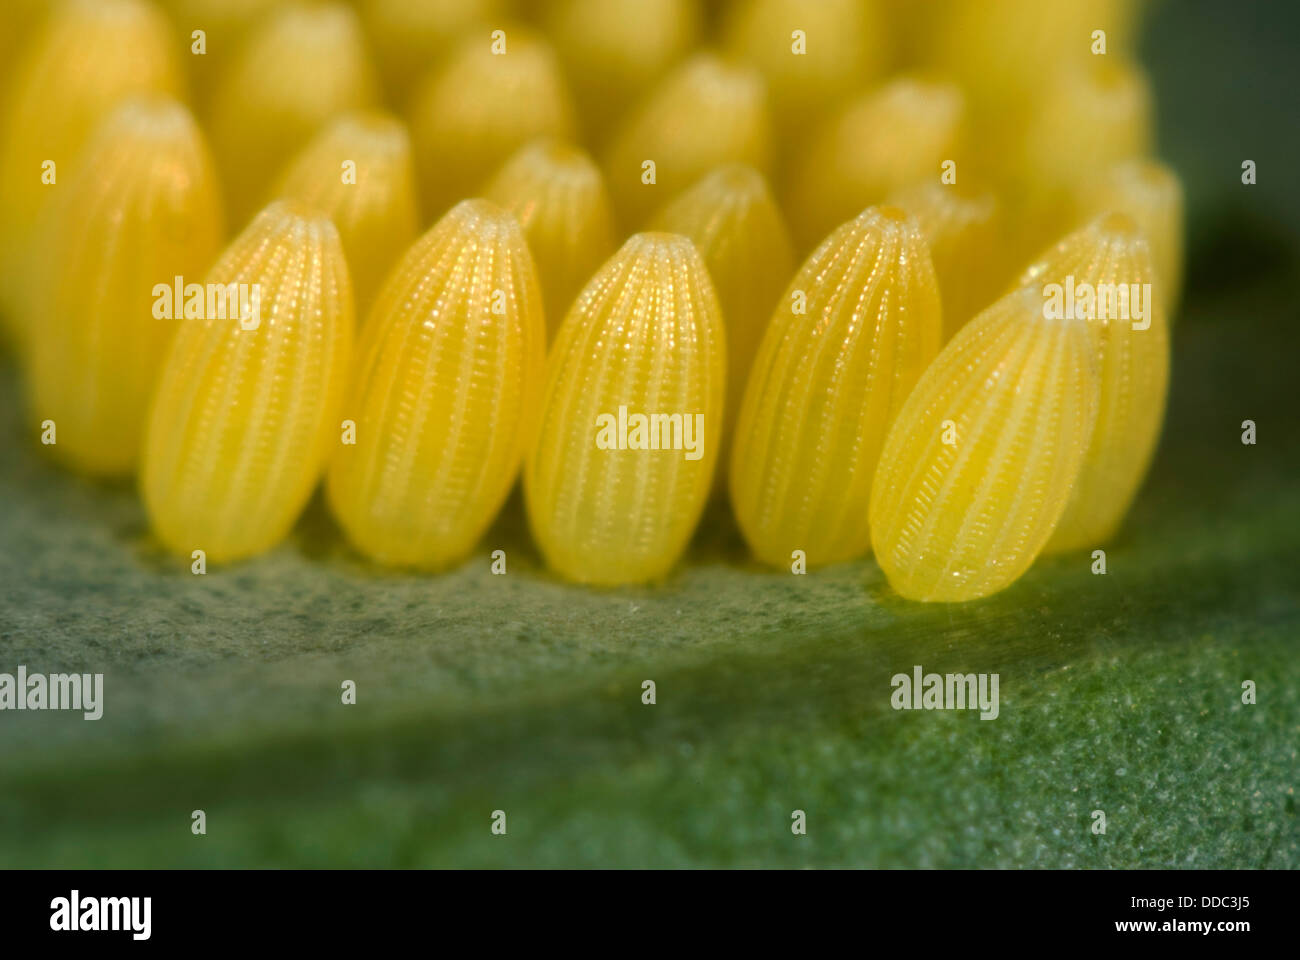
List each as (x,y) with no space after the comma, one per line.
(694,360)
(424,423)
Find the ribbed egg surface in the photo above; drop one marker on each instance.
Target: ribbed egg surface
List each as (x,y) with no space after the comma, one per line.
(857,326)
(445,394)
(142,211)
(246,407)
(1109,259)
(630,420)
(978,467)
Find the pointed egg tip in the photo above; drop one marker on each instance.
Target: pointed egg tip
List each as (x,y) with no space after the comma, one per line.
(966,194)
(555,152)
(482,218)
(547,164)
(154,117)
(290,216)
(378,130)
(725,193)
(739,178)
(1115,224)
(731,185)
(885,220)
(1111,228)
(923,95)
(1147,172)
(657,246)
(890,214)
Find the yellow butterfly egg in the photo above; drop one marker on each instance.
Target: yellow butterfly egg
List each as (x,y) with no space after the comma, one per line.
(558,194)
(445,394)
(964,231)
(857,326)
(1152,194)
(705,113)
(897,134)
(408,35)
(86,57)
(1001,52)
(613,50)
(735,224)
(224,25)
(247,404)
(141,211)
(298,68)
(978,467)
(1090,117)
(812,55)
(358,171)
(498,90)
(630,418)
(1104,274)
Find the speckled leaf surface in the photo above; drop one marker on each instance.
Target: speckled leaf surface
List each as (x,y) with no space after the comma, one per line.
(478,692)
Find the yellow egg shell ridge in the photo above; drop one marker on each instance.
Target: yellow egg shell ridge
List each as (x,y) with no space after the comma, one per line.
(856,328)
(246,408)
(978,467)
(645,336)
(446,391)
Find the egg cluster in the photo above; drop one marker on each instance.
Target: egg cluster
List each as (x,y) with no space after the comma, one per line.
(888,277)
